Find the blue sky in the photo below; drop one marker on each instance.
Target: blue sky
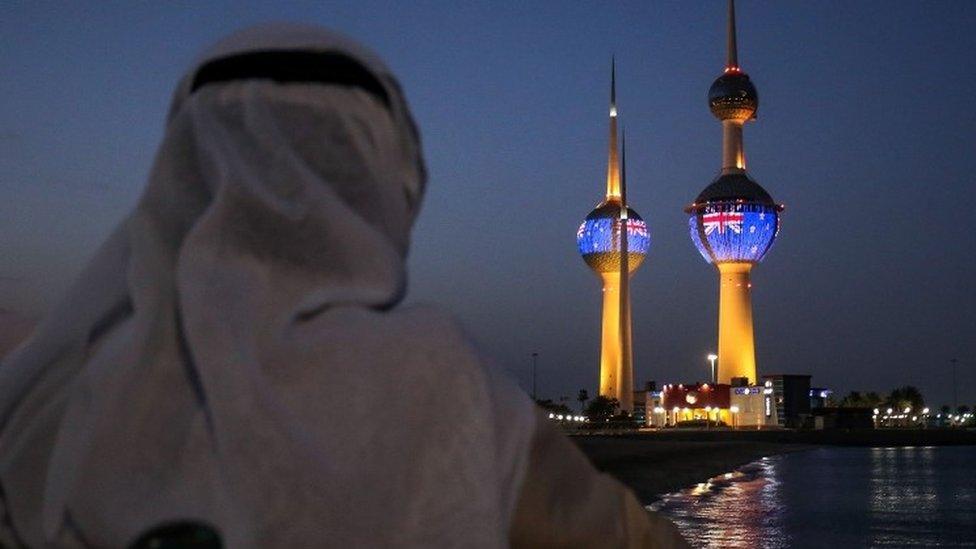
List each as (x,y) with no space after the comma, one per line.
(865,132)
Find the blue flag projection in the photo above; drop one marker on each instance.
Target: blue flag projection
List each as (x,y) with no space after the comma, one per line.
(598,240)
(727,232)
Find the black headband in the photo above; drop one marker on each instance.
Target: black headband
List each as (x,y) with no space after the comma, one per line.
(298,66)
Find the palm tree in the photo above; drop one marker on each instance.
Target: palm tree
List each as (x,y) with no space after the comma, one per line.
(906,397)
(582,397)
(602,408)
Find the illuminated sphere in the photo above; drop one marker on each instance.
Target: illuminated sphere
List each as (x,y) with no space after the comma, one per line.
(733,97)
(734,220)
(599,243)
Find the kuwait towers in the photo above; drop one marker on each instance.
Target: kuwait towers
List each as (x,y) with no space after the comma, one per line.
(734,221)
(614,259)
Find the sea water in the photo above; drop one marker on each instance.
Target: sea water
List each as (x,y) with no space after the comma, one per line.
(837,498)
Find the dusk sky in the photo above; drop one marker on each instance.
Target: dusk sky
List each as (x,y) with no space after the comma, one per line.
(866,131)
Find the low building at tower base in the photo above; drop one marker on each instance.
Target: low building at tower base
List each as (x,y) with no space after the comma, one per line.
(780,401)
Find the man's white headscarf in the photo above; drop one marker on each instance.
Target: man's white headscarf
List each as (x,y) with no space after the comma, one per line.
(232,357)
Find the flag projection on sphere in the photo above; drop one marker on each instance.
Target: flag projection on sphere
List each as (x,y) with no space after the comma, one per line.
(601,235)
(730,232)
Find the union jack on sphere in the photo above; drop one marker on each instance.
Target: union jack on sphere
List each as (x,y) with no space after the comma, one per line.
(637,228)
(721,221)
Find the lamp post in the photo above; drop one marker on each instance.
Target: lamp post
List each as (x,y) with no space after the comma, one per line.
(712,358)
(735,418)
(955,388)
(535,363)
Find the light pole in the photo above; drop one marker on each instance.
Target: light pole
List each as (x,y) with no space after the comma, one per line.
(535,363)
(712,358)
(955,388)
(735,411)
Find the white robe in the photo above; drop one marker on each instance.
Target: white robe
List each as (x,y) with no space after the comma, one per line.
(233,354)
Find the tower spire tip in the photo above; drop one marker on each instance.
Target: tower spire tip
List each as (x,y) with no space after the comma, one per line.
(732,63)
(613,85)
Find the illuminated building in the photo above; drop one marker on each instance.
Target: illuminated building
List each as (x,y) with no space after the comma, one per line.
(754,407)
(734,221)
(696,401)
(599,242)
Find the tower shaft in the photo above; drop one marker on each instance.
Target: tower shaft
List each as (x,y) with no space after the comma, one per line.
(616,360)
(736,346)
(733,150)
(626,385)
(613,165)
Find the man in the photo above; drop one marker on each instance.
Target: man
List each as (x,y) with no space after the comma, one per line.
(233,355)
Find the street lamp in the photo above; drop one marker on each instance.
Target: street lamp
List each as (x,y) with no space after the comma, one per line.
(735,411)
(955,388)
(712,358)
(535,364)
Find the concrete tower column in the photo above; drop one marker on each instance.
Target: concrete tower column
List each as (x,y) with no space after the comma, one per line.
(733,150)
(736,346)
(616,372)
(610,351)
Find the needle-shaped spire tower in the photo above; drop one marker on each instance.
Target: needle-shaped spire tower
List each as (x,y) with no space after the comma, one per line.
(613,240)
(613,167)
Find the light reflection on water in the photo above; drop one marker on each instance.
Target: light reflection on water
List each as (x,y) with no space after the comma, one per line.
(839,497)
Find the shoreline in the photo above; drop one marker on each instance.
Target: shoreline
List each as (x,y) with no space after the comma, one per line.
(653,464)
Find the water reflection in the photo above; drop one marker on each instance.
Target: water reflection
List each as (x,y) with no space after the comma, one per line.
(841,497)
(903,496)
(740,509)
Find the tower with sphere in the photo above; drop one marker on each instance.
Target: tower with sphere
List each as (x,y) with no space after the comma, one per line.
(614,254)
(734,221)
